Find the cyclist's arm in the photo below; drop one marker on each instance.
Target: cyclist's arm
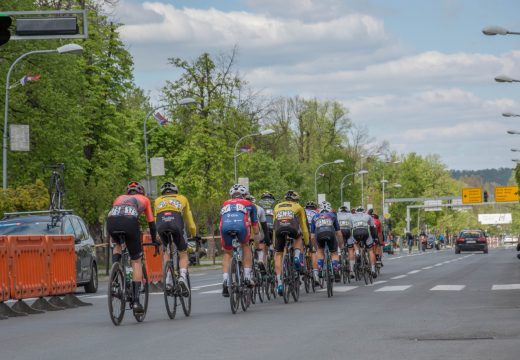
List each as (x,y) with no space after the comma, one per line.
(265,229)
(254,219)
(188,219)
(339,235)
(303,225)
(148,213)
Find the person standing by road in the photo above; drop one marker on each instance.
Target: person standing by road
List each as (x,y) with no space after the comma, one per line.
(409,239)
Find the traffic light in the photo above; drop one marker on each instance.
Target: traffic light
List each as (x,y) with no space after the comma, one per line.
(5,23)
(485,196)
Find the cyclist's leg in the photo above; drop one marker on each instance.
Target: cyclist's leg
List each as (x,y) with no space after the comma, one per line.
(180,239)
(369,243)
(334,255)
(226,242)
(298,250)
(320,253)
(113,226)
(279,246)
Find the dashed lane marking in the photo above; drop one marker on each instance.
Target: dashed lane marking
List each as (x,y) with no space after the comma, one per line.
(448,288)
(393,288)
(427,268)
(413,272)
(399,277)
(506,287)
(211,292)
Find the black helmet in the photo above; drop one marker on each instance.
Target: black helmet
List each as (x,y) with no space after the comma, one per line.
(267,195)
(360,209)
(370,211)
(311,205)
(169,187)
(135,186)
(343,209)
(292,195)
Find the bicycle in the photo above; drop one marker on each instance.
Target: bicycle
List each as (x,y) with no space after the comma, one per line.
(175,290)
(365,265)
(119,286)
(290,277)
(308,278)
(239,293)
(56,186)
(270,277)
(327,271)
(258,289)
(345,265)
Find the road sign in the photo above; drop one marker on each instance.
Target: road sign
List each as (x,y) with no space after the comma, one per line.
(157,165)
(471,195)
(321,198)
(432,205)
(495,219)
(244,181)
(19,137)
(506,193)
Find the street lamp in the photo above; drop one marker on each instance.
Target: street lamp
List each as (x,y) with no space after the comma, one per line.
(185,101)
(338,161)
(508,114)
(515,150)
(65,49)
(513,132)
(516,160)
(497,30)
(361,172)
(505,78)
(261,133)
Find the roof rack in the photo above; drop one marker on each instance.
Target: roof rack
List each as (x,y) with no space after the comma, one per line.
(39,212)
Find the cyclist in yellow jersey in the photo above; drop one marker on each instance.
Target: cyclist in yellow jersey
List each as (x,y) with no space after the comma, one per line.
(289,217)
(173,214)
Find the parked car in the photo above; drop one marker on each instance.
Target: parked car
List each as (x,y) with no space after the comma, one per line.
(471,240)
(60,222)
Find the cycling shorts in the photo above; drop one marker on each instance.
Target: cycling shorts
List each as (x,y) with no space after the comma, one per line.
(327,237)
(171,222)
(130,226)
(362,235)
(280,233)
(226,228)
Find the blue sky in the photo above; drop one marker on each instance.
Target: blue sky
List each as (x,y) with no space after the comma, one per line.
(418,74)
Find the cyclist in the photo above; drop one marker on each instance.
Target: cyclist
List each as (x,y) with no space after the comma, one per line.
(263,239)
(124,217)
(363,230)
(237,215)
(289,217)
(345,224)
(267,202)
(311,209)
(325,230)
(409,239)
(173,215)
(379,242)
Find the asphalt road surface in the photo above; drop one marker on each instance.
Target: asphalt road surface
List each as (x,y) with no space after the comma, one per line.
(436,305)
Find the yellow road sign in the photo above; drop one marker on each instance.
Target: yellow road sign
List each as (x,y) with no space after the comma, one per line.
(506,193)
(471,195)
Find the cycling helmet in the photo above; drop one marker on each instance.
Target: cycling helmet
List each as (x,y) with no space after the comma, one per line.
(267,195)
(250,198)
(169,187)
(344,209)
(311,205)
(292,195)
(370,212)
(238,190)
(325,206)
(360,209)
(135,186)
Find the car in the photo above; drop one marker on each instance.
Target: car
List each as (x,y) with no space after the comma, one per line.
(59,222)
(509,240)
(471,240)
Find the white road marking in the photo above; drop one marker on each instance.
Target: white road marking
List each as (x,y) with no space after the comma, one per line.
(96,297)
(343,288)
(399,277)
(379,282)
(448,288)
(427,268)
(413,271)
(439,264)
(211,292)
(205,286)
(506,287)
(393,288)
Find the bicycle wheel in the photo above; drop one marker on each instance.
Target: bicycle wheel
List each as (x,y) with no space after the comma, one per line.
(247,292)
(233,285)
(253,277)
(286,278)
(259,285)
(330,275)
(116,294)
(186,298)
(345,275)
(143,296)
(307,277)
(364,267)
(170,291)
(295,288)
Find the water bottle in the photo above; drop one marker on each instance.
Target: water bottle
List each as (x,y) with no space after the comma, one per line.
(129,272)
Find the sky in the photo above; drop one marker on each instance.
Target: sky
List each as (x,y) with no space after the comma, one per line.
(416,73)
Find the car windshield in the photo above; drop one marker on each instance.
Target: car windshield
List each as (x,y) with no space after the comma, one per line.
(471,234)
(37,227)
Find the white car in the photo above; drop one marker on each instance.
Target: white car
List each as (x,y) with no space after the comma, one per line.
(510,240)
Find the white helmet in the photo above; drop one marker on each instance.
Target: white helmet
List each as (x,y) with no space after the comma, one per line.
(325,206)
(238,190)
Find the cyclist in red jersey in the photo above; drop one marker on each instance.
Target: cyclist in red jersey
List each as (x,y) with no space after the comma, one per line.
(380,241)
(124,217)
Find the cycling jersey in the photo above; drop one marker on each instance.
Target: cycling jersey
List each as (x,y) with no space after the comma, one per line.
(345,224)
(172,215)
(324,226)
(379,230)
(361,228)
(289,217)
(236,215)
(133,206)
(310,214)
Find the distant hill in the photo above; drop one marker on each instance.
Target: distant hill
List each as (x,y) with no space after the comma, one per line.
(499,176)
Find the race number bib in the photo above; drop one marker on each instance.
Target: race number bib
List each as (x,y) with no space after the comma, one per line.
(344,224)
(322,222)
(233,208)
(360,224)
(285,215)
(123,211)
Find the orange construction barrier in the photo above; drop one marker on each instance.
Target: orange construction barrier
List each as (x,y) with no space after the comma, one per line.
(29,266)
(4,268)
(62,263)
(154,267)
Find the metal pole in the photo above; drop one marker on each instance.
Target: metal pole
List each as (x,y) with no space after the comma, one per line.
(6,111)
(235,152)
(145,135)
(362,191)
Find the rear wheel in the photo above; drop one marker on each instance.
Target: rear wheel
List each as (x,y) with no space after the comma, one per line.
(234,292)
(116,294)
(457,250)
(186,297)
(286,278)
(330,276)
(170,298)
(143,296)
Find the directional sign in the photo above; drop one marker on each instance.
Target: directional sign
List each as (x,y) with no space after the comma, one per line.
(471,195)
(506,193)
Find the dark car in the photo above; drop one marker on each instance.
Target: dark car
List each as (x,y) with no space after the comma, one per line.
(59,223)
(471,240)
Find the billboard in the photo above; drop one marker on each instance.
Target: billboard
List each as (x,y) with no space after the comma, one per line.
(495,219)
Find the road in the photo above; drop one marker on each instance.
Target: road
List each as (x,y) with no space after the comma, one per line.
(436,305)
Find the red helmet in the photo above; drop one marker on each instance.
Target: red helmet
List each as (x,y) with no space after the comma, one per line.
(135,186)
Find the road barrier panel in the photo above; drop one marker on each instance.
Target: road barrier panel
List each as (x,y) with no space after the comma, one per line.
(62,263)
(153,264)
(4,268)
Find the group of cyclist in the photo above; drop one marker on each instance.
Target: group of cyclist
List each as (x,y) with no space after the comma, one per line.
(267,224)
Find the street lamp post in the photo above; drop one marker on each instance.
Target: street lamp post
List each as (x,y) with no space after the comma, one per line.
(65,49)
(263,132)
(509,114)
(360,172)
(513,132)
(185,101)
(338,161)
(505,78)
(498,30)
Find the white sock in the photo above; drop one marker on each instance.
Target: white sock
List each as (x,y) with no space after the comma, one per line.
(247,273)
(184,271)
(357,252)
(351,264)
(315,271)
(373,268)
(260,255)
(225,276)
(297,253)
(279,278)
